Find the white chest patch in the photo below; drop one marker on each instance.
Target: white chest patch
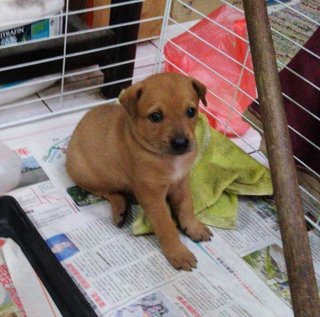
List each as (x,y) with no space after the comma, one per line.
(180,168)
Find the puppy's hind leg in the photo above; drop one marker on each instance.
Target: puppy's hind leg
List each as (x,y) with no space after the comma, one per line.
(118,204)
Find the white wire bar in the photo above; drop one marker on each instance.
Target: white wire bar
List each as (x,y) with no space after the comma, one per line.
(210,45)
(73,109)
(73,73)
(234,98)
(242,65)
(316,225)
(233,109)
(46,98)
(85,31)
(83,52)
(297,12)
(211,70)
(301,107)
(236,86)
(115,26)
(64,51)
(69,34)
(157,65)
(287,38)
(275,31)
(158,59)
(245,40)
(212,21)
(315,199)
(73,12)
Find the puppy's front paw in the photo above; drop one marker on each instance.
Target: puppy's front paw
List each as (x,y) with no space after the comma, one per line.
(118,218)
(118,205)
(180,257)
(197,231)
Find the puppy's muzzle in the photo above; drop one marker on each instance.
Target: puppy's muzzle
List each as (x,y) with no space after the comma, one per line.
(180,145)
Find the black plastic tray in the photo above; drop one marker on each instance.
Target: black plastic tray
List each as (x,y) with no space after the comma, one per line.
(15,224)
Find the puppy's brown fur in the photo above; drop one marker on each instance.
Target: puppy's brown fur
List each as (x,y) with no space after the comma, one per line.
(117,150)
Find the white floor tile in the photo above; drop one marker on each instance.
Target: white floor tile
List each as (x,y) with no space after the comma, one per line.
(249,142)
(174,30)
(142,72)
(145,59)
(77,91)
(260,157)
(145,55)
(25,111)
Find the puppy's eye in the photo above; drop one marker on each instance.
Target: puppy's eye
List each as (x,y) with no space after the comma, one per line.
(191,112)
(155,116)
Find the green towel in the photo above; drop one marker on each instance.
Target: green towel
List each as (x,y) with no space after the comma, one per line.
(220,172)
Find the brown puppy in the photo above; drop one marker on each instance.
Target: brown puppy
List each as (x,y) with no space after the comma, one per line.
(146,147)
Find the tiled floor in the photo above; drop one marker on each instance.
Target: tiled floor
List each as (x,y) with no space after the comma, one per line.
(48,100)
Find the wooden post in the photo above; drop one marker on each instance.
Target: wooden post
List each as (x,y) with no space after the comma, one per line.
(304,292)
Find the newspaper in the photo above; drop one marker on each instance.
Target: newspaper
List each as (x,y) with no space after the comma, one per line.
(258,241)
(240,272)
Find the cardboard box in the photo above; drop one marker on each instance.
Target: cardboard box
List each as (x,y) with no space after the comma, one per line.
(155,8)
(100,18)
(150,8)
(181,13)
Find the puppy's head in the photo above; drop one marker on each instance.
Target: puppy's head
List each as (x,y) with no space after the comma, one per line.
(164,110)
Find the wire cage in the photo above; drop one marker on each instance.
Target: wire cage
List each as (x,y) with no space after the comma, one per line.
(88,51)
(100,68)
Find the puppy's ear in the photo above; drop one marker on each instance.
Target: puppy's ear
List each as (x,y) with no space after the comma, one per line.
(129,98)
(200,89)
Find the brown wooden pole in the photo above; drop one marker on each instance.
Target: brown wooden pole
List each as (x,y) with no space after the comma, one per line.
(304,292)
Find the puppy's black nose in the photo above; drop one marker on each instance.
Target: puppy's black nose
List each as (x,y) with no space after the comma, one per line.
(180,145)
